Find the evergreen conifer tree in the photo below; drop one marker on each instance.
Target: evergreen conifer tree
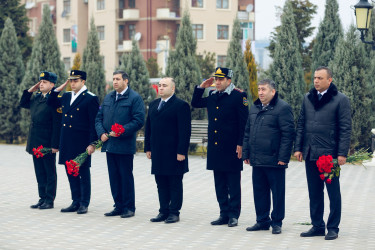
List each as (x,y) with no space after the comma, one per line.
(206,63)
(252,69)
(92,64)
(134,65)
(182,65)
(11,72)
(329,33)
(152,67)
(286,69)
(371,72)
(45,56)
(350,67)
(235,60)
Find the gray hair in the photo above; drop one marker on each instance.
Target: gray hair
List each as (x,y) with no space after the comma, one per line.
(328,70)
(269,82)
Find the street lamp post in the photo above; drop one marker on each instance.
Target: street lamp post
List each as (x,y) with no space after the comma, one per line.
(362,11)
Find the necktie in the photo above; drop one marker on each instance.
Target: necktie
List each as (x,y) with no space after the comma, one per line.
(320,96)
(161,105)
(117,96)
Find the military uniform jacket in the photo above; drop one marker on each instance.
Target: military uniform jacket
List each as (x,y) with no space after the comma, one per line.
(45,122)
(78,123)
(167,134)
(227,116)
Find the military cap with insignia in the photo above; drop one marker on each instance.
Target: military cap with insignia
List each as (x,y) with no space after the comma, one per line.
(223,72)
(77,74)
(48,76)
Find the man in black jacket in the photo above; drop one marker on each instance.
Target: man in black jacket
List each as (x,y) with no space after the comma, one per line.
(227,109)
(324,128)
(167,137)
(267,147)
(44,130)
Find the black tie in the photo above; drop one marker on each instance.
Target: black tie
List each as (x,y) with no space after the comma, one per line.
(117,96)
(162,103)
(320,96)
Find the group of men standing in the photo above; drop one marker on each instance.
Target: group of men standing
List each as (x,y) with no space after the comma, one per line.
(262,137)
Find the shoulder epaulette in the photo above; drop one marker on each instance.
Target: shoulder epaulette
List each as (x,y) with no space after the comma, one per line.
(90,93)
(239,90)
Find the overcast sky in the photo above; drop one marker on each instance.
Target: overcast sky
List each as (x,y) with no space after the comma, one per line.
(266,19)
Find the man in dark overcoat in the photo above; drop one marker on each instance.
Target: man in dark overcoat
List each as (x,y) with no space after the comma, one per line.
(227,109)
(167,137)
(44,130)
(267,147)
(79,109)
(323,128)
(125,107)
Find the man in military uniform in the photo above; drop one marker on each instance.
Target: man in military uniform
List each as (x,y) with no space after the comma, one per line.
(44,130)
(79,108)
(227,109)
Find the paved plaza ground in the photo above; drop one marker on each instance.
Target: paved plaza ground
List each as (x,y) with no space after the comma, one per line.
(25,228)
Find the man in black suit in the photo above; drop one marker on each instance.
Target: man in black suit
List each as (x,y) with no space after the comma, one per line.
(167,138)
(323,128)
(79,108)
(227,114)
(125,107)
(44,130)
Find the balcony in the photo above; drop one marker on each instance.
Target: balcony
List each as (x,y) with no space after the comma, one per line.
(166,14)
(126,46)
(130,15)
(245,16)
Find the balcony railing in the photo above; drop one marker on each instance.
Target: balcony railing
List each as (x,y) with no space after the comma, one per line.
(166,14)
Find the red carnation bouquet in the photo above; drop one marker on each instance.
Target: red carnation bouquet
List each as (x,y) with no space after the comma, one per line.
(41,151)
(72,166)
(329,167)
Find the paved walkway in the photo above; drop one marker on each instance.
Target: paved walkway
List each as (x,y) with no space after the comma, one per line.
(25,228)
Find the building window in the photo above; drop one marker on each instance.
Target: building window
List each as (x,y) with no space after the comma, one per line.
(131,4)
(223,32)
(120,34)
(131,31)
(66,61)
(100,30)
(67,6)
(66,34)
(100,4)
(222,4)
(221,61)
(197,31)
(197,3)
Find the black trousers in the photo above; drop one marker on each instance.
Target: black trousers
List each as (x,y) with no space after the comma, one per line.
(228,193)
(120,171)
(170,192)
(265,181)
(80,186)
(45,172)
(316,194)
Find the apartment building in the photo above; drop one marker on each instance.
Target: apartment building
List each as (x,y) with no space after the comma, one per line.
(34,11)
(153,23)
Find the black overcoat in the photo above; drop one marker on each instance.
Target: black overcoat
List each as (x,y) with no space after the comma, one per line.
(324,127)
(78,123)
(45,122)
(167,134)
(227,116)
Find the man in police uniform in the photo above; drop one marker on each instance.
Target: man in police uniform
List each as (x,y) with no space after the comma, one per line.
(79,108)
(44,130)
(227,109)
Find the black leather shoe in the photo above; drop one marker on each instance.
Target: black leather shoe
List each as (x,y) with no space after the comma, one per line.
(127,214)
(159,218)
(313,232)
(276,230)
(114,212)
(46,206)
(233,222)
(82,210)
(331,235)
(71,208)
(258,227)
(220,221)
(172,218)
(37,205)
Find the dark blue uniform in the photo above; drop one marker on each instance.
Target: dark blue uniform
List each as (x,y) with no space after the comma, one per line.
(44,130)
(227,115)
(77,132)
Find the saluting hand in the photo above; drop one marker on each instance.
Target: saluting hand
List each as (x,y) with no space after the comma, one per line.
(60,88)
(34,88)
(207,83)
